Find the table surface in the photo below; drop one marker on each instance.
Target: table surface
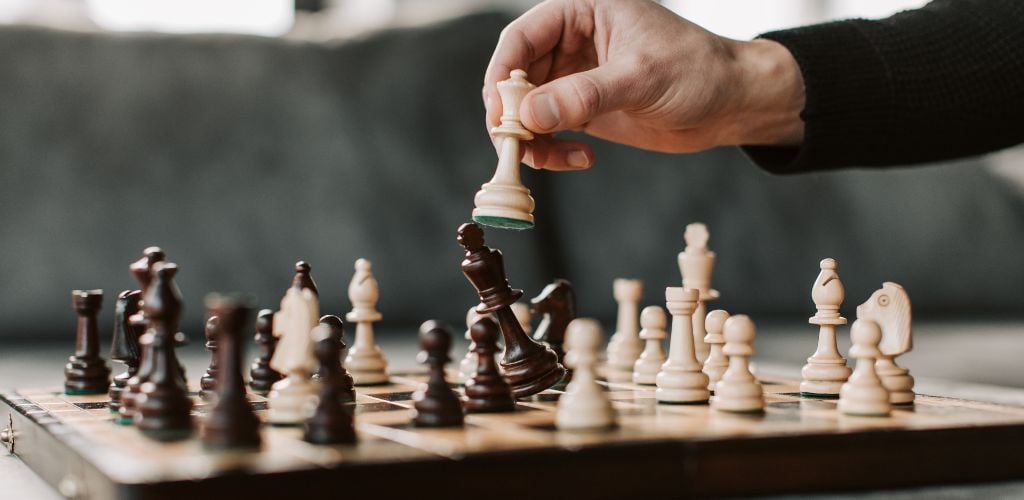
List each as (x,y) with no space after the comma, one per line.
(972,360)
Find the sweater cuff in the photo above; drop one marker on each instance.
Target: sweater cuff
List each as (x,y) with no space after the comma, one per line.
(847,98)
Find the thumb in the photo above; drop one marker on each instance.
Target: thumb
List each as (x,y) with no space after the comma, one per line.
(572,101)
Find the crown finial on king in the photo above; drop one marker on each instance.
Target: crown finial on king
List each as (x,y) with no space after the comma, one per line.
(504,202)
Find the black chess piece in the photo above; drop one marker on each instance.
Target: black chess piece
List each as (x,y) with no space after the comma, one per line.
(142,270)
(487,390)
(261,375)
(332,421)
(436,403)
(208,382)
(337,330)
(529,366)
(125,345)
(231,423)
(557,303)
(163,404)
(86,372)
(303,279)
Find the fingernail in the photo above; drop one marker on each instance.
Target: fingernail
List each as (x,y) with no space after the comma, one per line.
(577,158)
(545,112)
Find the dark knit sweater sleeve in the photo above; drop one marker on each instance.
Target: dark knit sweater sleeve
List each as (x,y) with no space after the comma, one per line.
(940,82)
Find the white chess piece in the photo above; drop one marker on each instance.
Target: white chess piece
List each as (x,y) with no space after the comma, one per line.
(696,264)
(584,405)
(625,345)
(864,394)
(680,379)
(646,368)
(716,363)
(826,370)
(889,306)
(521,311)
(739,391)
(504,201)
(467,367)
(292,398)
(365,362)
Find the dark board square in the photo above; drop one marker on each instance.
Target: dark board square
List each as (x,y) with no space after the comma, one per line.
(393,396)
(768,382)
(258,405)
(93,406)
(376,407)
(546,397)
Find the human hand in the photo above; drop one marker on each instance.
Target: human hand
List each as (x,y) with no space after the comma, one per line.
(633,72)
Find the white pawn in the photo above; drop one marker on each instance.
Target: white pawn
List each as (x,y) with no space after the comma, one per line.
(293,398)
(365,362)
(625,345)
(680,379)
(738,391)
(716,363)
(584,405)
(467,367)
(826,370)
(864,394)
(652,321)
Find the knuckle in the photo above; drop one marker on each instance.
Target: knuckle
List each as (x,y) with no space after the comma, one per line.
(588,92)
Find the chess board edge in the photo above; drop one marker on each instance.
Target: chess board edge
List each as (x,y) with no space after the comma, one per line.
(714,466)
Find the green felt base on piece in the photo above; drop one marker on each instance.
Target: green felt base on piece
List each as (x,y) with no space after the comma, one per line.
(819,396)
(83,392)
(503,222)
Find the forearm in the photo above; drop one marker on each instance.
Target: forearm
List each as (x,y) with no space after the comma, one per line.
(937,83)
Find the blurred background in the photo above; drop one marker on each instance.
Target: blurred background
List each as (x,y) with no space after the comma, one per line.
(243,135)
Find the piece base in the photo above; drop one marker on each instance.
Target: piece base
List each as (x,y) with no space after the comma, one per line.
(503,222)
(84,392)
(817,395)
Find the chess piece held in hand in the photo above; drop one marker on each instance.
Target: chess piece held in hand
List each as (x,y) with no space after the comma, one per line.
(504,202)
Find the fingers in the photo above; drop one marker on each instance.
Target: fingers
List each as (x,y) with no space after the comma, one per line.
(546,152)
(572,101)
(524,41)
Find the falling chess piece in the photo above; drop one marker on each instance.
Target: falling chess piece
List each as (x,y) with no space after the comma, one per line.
(739,391)
(717,362)
(163,404)
(696,264)
(142,270)
(646,368)
(504,202)
(303,278)
(889,306)
(584,405)
(529,366)
(557,303)
(261,375)
(85,371)
(365,361)
(863,394)
(826,370)
(344,382)
(625,345)
(487,390)
(680,380)
(208,382)
(467,366)
(124,347)
(231,423)
(435,402)
(332,421)
(292,398)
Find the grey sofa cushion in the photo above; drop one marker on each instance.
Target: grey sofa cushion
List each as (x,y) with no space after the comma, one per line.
(241,155)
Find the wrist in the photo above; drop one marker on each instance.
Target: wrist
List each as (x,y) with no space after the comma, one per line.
(770,96)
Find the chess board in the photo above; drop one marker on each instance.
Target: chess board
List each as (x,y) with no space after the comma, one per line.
(658,451)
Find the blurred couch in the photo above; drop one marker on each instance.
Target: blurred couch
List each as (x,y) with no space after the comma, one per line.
(241,155)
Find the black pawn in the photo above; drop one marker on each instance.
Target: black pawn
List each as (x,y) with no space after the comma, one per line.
(261,375)
(125,345)
(231,423)
(331,422)
(487,391)
(208,382)
(337,329)
(86,372)
(302,277)
(436,403)
(163,404)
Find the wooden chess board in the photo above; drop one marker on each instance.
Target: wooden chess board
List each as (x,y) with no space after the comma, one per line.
(798,444)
